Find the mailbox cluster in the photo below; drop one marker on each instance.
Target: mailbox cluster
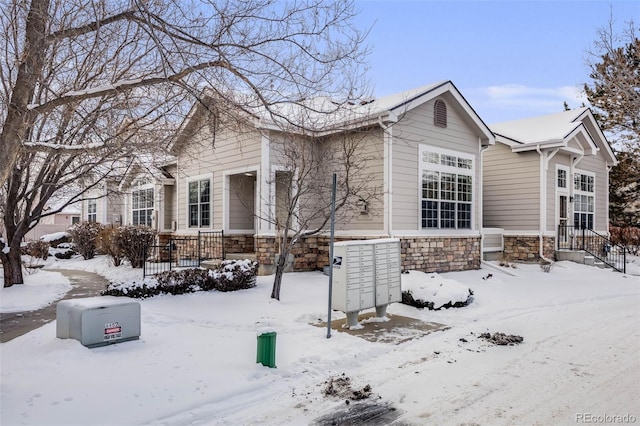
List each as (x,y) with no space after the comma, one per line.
(366,274)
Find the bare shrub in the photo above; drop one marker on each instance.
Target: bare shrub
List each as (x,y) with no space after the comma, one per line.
(85,238)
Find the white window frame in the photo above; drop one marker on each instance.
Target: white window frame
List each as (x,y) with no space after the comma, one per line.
(580,197)
(198,179)
(457,170)
(92,213)
(140,185)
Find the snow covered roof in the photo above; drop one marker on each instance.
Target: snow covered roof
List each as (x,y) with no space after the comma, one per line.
(322,115)
(544,128)
(554,131)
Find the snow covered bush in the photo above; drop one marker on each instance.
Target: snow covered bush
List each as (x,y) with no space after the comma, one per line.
(433,292)
(235,275)
(85,236)
(37,249)
(56,238)
(231,276)
(132,241)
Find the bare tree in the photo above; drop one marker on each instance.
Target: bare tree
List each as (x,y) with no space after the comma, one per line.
(304,186)
(88,83)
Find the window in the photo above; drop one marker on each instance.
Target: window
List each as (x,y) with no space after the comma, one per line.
(446,189)
(584,201)
(199,207)
(440,113)
(562,178)
(92,210)
(142,207)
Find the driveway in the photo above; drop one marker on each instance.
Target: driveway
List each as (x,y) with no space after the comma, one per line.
(84,284)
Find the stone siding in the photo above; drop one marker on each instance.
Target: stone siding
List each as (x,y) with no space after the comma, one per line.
(527,248)
(429,254)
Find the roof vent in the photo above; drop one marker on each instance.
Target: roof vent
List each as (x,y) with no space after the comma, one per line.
(440,114)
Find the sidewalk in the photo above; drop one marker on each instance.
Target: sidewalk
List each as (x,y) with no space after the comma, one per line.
(15,324)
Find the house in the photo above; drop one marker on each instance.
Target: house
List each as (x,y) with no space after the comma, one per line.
(143,196)
(57,222)
(424,149)
(544,179)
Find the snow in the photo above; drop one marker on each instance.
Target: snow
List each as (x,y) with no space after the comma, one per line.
(54,236)
(432,287)
(38,291)
(550,127)
(195,362)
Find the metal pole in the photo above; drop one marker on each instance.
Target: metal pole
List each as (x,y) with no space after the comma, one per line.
(333,225)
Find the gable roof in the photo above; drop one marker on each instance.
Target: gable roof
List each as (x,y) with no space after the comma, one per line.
(554,131)
(323,116)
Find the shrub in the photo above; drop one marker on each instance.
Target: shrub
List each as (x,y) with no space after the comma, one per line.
(107,245)
(627,236)
(67,254)
(231,276)
(235,275)
(36,249)
(132,241)
(85,235)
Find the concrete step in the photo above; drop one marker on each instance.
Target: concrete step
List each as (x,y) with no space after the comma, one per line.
(240,256)
(589,260)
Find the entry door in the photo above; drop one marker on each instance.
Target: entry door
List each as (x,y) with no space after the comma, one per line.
(563,214)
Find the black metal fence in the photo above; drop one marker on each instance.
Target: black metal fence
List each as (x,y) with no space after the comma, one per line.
(597,245)
(186,251)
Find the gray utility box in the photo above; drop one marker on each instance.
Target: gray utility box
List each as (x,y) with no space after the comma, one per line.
(366,274)
(98,321)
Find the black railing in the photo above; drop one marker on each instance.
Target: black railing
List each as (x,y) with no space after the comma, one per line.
(597,245)
(187,251)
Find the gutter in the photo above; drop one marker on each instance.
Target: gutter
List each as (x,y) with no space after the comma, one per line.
(387,161)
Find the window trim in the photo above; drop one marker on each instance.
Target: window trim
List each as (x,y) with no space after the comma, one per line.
(139,185)
(92,203)
(579,193)
(465,168)
(199,178)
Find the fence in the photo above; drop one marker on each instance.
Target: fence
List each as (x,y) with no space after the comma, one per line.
(186,251)
(597,245)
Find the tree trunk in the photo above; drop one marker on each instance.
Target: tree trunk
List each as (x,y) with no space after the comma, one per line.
(277,281)
(12,265)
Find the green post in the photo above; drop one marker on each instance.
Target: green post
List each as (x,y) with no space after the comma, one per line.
(267,349)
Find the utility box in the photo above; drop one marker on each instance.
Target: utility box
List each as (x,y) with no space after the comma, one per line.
(98,321)
(366,274)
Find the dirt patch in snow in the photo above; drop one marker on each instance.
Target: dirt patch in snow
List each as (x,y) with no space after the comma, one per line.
(502,339)
(395,329)
(360,407)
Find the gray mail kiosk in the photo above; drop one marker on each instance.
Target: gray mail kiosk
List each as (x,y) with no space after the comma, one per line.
(98,321)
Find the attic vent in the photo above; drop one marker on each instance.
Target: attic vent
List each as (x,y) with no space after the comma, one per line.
(440,114)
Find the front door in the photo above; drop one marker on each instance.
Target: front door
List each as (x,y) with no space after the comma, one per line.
(563,221)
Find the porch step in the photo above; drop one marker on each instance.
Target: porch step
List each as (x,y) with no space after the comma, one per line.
(589,260)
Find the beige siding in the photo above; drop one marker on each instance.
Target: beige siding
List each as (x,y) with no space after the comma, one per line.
(236,146)
(511,189)
(369,166)
(417,128)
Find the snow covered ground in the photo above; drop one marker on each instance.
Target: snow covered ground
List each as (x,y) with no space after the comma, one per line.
(195,361)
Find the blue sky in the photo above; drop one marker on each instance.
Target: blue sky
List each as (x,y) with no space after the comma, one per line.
(510,59)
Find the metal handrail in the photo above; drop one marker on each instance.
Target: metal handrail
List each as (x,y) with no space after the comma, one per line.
(597,245)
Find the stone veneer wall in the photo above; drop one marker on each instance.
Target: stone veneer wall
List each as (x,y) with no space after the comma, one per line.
(430,254)
(241,243)
(526,248)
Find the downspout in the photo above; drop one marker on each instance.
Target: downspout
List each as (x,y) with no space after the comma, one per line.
(543,206)
(480,207)
(387,196)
